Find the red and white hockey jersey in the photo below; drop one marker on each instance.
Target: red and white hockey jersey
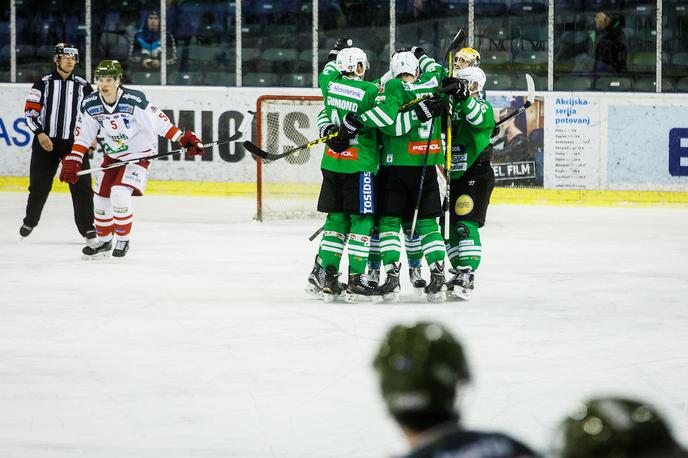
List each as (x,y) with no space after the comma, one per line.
(130,127)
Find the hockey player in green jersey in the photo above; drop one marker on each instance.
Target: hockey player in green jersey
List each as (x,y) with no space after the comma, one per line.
(348,168)
(472,179)
(405,139)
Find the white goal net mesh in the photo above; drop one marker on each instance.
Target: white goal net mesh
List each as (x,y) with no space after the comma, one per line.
(288,187)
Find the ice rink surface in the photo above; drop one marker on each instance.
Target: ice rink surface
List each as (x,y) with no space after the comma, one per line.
(202,343)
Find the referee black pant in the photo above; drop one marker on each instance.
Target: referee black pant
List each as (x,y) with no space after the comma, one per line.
(41,174)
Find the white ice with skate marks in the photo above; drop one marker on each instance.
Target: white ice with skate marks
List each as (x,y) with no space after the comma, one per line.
(202,342)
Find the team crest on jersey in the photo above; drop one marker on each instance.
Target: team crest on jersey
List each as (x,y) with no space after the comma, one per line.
(463,205)
(125,119)
(419,147)
(349,154)
(109,150)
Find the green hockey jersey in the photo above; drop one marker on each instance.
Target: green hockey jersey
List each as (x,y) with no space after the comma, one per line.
(342,95)
(405,138)
(472,125)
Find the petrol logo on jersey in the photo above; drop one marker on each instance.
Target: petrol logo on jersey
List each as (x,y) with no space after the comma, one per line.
(366,206)
(464,205)
(419,147)
(349,154)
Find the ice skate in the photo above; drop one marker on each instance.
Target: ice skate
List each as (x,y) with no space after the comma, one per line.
(316,279)
(90,237)
(359,290)
(436,290)
(417,280)
(372,278)
(25,230)
(460,286)
(390,288)
(99,249)
(331,287)
(121,248)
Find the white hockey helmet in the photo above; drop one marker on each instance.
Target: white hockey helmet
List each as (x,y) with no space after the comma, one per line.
(404,62)
(472,75)
(349,58)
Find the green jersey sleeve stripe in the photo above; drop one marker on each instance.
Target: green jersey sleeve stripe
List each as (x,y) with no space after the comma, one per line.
(477,121)
(369,115)
(388,121)
(474,112)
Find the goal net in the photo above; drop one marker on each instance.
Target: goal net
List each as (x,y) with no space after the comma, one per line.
(289,187)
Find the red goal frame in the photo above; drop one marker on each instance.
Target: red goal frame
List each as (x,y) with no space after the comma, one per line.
(259,140)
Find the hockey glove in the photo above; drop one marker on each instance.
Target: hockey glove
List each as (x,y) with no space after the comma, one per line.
(462,93)
(350,126)
(428,108)
(447,84)
(192,143)
(336,144)
(341,43)
(71,165)
(418,51)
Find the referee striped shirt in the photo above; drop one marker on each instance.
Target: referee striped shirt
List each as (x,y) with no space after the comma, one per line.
(52,105)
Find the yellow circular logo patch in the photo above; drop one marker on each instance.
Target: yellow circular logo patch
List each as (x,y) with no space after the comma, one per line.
(464,205)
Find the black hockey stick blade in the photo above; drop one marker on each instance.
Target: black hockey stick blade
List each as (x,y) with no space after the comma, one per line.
(316,233)
(256,151)
(456,43)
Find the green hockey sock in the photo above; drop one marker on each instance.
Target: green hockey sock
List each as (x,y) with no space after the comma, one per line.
(390,243)
(431,240)
(414,252)
(333,239)
(464,245)
(359,242)
(374,257)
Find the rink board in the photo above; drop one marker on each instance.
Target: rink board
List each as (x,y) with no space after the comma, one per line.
(593,147)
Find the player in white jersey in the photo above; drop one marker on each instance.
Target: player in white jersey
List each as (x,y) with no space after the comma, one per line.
(130,126)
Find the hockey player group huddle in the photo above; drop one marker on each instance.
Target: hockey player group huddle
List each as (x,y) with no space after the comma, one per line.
(380,167)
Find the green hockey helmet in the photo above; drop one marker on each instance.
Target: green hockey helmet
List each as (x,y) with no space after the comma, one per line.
(109,68)
(420,368)
(613,427)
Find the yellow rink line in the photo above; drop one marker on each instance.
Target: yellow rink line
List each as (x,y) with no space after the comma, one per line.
(524,196)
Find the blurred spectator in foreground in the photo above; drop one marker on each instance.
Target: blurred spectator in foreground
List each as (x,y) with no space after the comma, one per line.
(146,50)
(422,369)
(611,427)
(610,44)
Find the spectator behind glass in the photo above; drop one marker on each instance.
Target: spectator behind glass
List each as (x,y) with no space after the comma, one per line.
(610,44)
(146,51)
(351,13)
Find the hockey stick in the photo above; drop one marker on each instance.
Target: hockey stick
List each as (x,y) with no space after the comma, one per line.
(147,158)
(316,233)
(457,41)
(256,151)
(422,179)
(530,98)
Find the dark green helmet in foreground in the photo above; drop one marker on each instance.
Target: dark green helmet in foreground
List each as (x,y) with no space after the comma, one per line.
(615,428)
(420,367)
(109,68)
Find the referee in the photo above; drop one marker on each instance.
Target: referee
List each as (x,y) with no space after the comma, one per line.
(51,110)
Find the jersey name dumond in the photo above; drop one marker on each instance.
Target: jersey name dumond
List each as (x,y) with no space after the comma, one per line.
(347,105)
